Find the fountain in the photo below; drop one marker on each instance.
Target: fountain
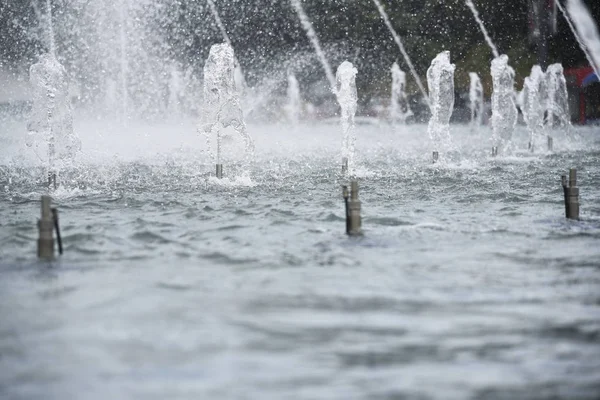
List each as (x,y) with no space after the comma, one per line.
(582,46)
(476,100)
(413,71)
(50,125)
(240,81)
(399,107)
(588,32)
(533,104)
(222,106)
(504,109)
(440,79)
(557,98)
(314,40)
(294,104)
(486,35)
(345,91)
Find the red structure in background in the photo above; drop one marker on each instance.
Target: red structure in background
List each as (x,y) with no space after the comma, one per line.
(584,95)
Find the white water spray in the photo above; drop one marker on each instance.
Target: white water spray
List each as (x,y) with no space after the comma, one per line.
(50,125)
(312,36)
(488,39)
(557,107)
(124,64)
(399,107)
(582,46)
(588,31)
(398,41)
(345,91)
(504,109)
(222,106)
(534,96)
(240,80)
(294,104)
(440,79)
(476,99)
(50,29)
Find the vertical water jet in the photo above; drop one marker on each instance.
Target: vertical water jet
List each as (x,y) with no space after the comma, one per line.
(440,80)
(399,107)
(504,109)
(345,91)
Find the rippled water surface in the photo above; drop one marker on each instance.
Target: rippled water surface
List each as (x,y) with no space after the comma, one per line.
(468,282)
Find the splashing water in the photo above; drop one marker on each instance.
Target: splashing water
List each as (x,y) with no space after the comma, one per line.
(124,61)
(399,107)
(50,125)
(582,46)
(558,97)
(314,39)
(222,106)
(240,81)
(476,99)
(50,29)
(413,71)
(440,80)
(504,109)
(347,97)
(488,39)
(294,104)
(534,104)
(588,31)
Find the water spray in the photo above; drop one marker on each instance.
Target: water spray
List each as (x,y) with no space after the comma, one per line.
(398,41)
(314,39)
(573,6)
(488,39)
(217,17)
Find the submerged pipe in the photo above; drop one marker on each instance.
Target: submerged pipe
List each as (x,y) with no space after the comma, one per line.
(219,171)
(436,156)
(571,195)
(550,143)
(45,248)
(353,219)
(494,151)
(346,196)
(57,229)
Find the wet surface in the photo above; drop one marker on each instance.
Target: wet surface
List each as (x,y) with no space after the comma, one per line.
(468,282)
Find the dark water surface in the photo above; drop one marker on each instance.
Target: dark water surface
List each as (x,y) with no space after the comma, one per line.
(468,284)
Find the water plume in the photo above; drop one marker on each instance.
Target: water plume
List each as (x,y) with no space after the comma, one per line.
(440,79)
(222,107)
(557,97)
(476,99)
(582,46)
(293,106)
(504,109)
(488,39)
(399,107)
(534,103)
(588,31)
(347,97)
(314,39)
(413,71)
